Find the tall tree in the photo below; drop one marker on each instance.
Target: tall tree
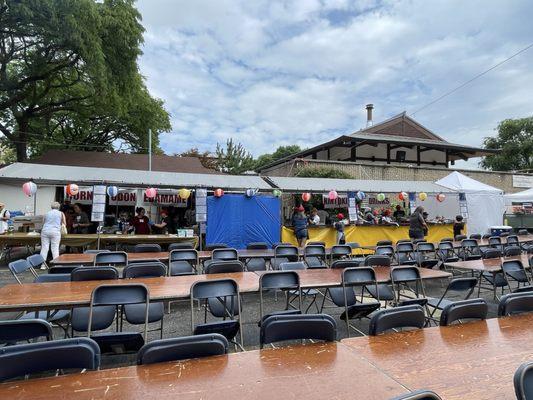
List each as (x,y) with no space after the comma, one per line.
(281,152)
(234,158)
(69,76)
(515,139)
(207,160)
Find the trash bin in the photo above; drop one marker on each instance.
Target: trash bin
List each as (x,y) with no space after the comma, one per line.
(498,230)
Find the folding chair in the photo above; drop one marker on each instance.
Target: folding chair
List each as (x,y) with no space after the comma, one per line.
(402,279)
(446,254)
(458,238)
(315,256)
(456,285)
(397,318)
(256,263)
(405,253)
(426,255)
(515,303)
(284,253)
(278,328)
(224,254)
(25,359)
(512,251)
(19,267)
(180,246)
(287,281)
(523,382)
(37,261)
(336,294)
(463,309)
(214,246)
(513,270)
(223,267)
(63,269)
(470,250)
(225,291)
(182,348)
(384,292)
(385,250)
(182,262)
(340,251)
(419,395)
(384,243)
(512,240)
(147,248)
(14,331)
(476,236)
(111,259)
(313,293)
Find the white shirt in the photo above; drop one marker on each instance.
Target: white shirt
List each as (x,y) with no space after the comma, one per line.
(3,224)
(315,220)
(52,221)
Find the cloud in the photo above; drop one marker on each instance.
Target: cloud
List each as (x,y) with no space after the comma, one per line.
(269,73)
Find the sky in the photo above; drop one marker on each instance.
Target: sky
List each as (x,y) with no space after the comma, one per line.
(271,73)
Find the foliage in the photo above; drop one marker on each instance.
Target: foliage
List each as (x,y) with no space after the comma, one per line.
(7,155)
(234,159)
(322,172)
(69,77)
(281,152)
(515,139)
(207,160)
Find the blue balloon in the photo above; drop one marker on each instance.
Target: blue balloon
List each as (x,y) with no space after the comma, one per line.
(251,192)
(360,195)
(112,191)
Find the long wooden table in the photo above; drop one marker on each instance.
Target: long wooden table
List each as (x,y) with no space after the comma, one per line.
(55,295)
(475,360)
(314,372)
(492,265)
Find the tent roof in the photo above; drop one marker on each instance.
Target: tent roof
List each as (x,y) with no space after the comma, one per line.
(526,195)
(291,184)
(56,174)
(462,183)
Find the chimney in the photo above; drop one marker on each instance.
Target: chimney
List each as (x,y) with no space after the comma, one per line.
(369,108)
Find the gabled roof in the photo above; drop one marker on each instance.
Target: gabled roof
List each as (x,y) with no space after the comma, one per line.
(137,162)
(402,125)
(462,183)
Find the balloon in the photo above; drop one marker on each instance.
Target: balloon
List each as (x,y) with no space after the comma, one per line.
(332,195)
(72,189)
(219,193)
(184,193)
(360,195)
(422,196)
(29,188)
(380,196)
(112,191)
(276,192)
(306,196)
(441,197)
(151,193)
(251,192)
(403,196)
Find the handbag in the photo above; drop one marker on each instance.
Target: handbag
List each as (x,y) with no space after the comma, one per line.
(63,230)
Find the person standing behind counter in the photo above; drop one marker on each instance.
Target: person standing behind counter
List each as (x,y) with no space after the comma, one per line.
(417,224)
(4,217)
(141,223)
(81,222)
(314,218)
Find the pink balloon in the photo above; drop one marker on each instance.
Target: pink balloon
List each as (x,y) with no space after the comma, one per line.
(29,188)
(151,193)
(333,195)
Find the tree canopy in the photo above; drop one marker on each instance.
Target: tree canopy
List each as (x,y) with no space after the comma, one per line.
(515,139)
(281,152)
(69,77)
(234,158)
(321,172)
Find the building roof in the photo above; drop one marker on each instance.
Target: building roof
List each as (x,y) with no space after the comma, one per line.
(60,175)
(137,162)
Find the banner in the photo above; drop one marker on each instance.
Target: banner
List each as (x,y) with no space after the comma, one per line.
(339,202)
(166,199)
(124,198)
(84,196)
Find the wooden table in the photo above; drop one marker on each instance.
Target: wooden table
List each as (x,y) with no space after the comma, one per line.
(492,265)
(60,295)
(88,258)
(314,371)
(475,360)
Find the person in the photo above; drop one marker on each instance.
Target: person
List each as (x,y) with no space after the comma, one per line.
(51,232)
(387,220)
(81,222)
(4,217)
(339,227)
(369,217)
(417,224)
(141,223)
(299,222)
(124,224)
(458,225)
(314,219)
(190,217)
(399,213)
(162,228)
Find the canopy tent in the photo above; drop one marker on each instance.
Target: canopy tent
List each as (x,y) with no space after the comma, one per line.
(521,197)
(485,203)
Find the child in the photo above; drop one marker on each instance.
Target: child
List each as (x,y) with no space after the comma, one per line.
(458,225)
(339,227)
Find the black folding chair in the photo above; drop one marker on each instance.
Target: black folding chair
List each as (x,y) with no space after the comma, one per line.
(385,250)
(287,281)
(111,259)
(456,285)
(256,263)
(523,382)
(426,255)
(312,293)
(397,318)
(91,251)
(214,246)
(515,303)
(315,256)
(14,331)
(340,251)
(180,246)
(182,348)
(278,328)
(513,270)
(37,261)
(224,254)
(470,250)
(476,236)
(284,253)
(384,292)
(419,395)
(512,251)
(19,267)
(463,309)
(405,253)
(384,243)
(25,359)
(402,279)
(182,262)
(223,267)
(147,248)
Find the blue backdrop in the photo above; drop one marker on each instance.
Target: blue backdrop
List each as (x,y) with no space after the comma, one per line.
(237,220)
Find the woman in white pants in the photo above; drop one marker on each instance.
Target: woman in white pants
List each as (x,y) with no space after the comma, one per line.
(51,232)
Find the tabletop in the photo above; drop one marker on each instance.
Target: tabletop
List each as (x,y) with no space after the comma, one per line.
(487,265)
(314,371)
(88,258)
(475,360)
(31,296)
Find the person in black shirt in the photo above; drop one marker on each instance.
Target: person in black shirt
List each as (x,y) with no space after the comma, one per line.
(417,224)
(162,227)
(458,225)
(399,214)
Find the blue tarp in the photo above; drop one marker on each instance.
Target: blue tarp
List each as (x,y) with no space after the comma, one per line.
(237,220)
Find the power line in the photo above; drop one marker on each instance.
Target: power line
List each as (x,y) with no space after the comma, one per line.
(472,79)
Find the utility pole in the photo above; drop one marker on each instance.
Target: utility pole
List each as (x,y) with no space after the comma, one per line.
(149,149)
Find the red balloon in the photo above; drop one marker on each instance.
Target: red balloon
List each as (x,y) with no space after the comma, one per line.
(306,196)
(403,196)
(219,193)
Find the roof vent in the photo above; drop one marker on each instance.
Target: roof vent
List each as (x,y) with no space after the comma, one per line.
(369,108)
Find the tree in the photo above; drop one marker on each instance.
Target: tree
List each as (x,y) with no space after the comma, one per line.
(281,152)
(322,172)
(234,159)
(207,160)
(69,76)
(515,139)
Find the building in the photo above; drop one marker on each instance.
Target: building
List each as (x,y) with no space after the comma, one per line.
(398,148)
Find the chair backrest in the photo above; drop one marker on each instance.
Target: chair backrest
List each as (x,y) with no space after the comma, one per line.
(523,232)
(63,269)
(12,331)
(404,247)
(512,266)
(214,246)
(147,248)
(384,250)
(512,250)
(202,290)
(462,284)
(223,267)
(292,266)
(415,241)
(384,243)
(492,253)
(404,274)
(512,239)
(515,303)
(145,270)
(475,236)
(182,348)
(458,238)
(341,250)
(425,247)
(377,261)
(46,278)
(257,246)
(411,316)
(36,260)
(23,359)
(179,246)
(418,395)
(189,255)
(287,251)
(463,309)
(523,381)
(277,328)
(316,244)
(111,258)
(94,274)
(279,280)
(445,245)
(358,276)
(446,239)
(20,266)
(486,236)
(224,254)
(353,245)
(91,251)
(345,264)
(495,241)
(315,250)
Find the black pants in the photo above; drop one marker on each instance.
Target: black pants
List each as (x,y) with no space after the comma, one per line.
(416,234)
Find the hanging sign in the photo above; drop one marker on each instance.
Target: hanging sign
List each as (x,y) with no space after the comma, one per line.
(99,198)
(166,198)
(84,195)
(124,198)
(339,202)
(352,207)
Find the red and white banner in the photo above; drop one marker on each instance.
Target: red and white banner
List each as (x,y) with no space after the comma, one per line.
(339,202)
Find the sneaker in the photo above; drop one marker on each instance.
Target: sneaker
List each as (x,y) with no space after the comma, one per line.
(43,267)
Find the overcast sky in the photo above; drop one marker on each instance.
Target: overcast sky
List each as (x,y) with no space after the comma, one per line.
(271,73)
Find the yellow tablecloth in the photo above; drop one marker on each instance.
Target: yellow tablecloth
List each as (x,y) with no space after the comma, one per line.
(366,235)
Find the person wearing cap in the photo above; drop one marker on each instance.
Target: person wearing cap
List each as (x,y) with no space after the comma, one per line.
(299,222)
(339,227)
(4,217)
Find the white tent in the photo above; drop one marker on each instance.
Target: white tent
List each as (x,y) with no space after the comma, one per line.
(521,197)
(485,203)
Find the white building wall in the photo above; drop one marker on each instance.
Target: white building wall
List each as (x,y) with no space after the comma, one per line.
(16,200)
